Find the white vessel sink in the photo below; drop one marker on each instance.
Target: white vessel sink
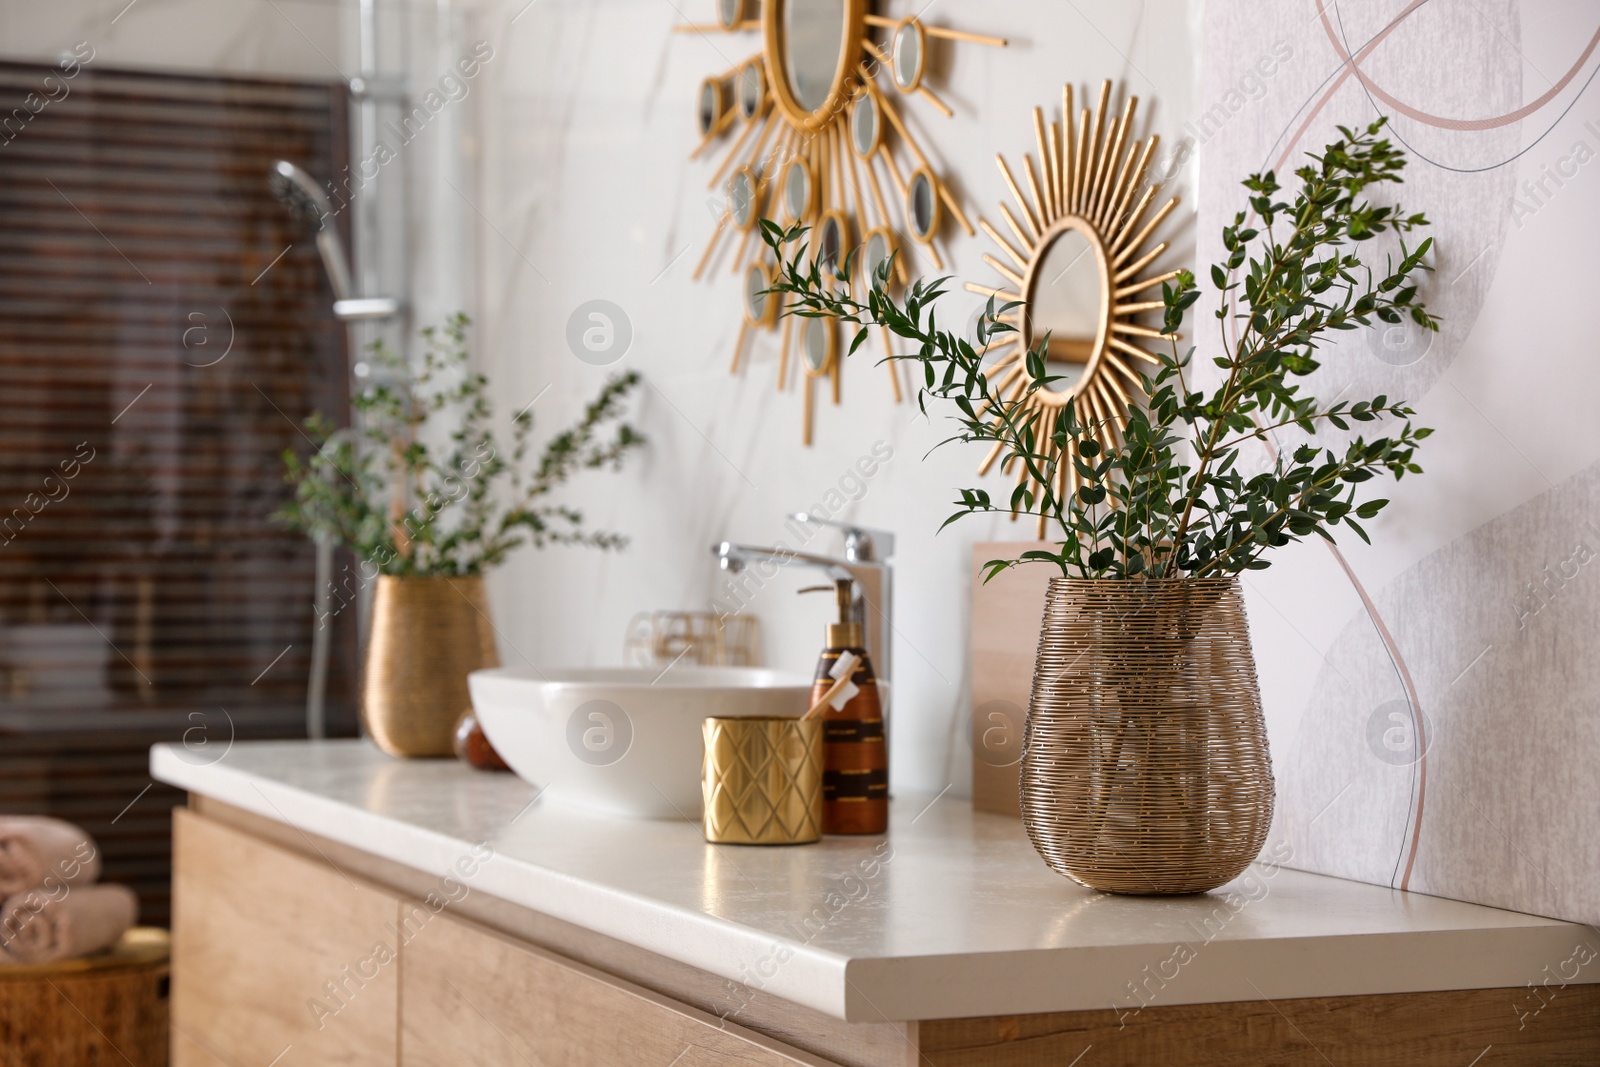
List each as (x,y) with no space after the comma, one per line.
(622,740)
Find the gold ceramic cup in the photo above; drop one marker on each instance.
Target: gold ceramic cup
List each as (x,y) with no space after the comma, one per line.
(762,781)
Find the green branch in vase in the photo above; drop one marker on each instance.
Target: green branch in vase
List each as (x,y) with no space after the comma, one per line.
(1166,496)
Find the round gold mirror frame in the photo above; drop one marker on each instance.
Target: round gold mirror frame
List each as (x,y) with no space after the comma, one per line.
(751,182)
(920,35)
(830,346)
(786,191)
(716,116)
(927,182)
(843,87)
(752,74)
(864,103)
(769,303)
(1030,284)
(1089,178)
(897,273)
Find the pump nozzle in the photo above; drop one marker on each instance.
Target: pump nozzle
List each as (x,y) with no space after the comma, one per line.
(846,633)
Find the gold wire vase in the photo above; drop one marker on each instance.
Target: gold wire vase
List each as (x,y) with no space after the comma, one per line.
(1145,766)
(427,635)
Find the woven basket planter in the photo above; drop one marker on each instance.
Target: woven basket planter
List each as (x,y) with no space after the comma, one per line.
(1145,766)
(109,1008)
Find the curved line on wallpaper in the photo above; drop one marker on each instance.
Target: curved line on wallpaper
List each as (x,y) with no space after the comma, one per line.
(1438,120)
(1390,647)
(1525,149)
(1351,64)
(1445,123)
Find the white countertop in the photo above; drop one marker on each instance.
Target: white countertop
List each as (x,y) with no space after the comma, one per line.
(952,914)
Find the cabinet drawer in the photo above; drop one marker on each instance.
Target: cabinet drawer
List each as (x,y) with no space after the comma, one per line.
(472,997)
(259,933)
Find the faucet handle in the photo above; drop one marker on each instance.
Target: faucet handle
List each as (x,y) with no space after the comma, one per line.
(862,544)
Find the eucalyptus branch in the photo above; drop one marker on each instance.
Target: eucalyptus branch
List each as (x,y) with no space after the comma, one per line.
(460,520)
(1166,496)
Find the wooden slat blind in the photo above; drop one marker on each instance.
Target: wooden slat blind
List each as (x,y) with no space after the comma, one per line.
(141,574)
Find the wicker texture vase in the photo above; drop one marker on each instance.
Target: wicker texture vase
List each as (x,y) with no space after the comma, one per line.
(427,635)
(1145,766)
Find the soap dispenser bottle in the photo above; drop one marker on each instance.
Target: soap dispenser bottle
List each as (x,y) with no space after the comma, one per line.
(855,758)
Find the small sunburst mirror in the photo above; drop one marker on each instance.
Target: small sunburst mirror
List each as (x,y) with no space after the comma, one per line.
(819,346)
(742,193)
(909,55)
(819,137)
(1080,268)
(875,252)
(760,305)
(833,236)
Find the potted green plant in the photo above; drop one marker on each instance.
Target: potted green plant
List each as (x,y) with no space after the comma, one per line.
(427,499)
(1145,766)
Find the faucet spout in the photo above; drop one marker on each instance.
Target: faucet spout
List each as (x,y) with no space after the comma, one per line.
(870,579)
(734,558)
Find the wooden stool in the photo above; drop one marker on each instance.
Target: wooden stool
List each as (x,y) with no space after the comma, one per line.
(109,1008)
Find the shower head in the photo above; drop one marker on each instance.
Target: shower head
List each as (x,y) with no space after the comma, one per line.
(298,190)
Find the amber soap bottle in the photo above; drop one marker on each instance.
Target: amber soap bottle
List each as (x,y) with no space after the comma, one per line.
(855,758)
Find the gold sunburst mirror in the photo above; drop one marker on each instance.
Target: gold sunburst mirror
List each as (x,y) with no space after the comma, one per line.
(1080,268)
(821,140)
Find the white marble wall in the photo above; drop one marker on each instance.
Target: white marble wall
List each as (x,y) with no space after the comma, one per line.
(587,192)
(269,38)
(565,177)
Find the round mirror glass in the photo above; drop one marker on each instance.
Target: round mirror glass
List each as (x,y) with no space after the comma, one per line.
(751,90)
(797,189)
(742,199)
(730,13)
(907,56)
(921,205)
(864,125)
(756,297)
(814,344)
(710,105)
(830,246)
(1065,303)
(875,255)
(813,36)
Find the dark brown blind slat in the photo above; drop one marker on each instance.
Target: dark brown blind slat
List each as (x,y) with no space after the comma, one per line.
(159,583)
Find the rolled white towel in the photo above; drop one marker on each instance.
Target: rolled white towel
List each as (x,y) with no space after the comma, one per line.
(39,851)
(37,928)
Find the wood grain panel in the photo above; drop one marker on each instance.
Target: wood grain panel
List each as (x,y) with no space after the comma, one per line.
(1469,1028)
(261,938)
(472,997)
(1006,614)
(187,1051)
(880,1044)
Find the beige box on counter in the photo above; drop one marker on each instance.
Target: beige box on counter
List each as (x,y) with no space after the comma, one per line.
(1006,616)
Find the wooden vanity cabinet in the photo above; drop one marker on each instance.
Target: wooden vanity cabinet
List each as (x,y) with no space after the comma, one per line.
(259,933)
(283,959)
(475,998)
(285,955)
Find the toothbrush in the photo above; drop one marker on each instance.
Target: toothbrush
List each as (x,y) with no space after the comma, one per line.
(842,674)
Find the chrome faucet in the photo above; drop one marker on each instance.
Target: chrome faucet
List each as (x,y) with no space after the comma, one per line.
(865,563)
